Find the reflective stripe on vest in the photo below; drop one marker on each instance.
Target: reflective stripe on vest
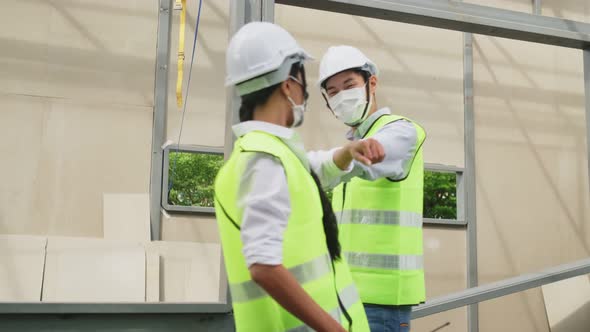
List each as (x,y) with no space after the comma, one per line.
(387,262)
(306,272)
(335,313)
(378,217)
(349,296)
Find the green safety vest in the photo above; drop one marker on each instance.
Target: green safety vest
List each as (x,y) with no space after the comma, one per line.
(380,224)
(305,253)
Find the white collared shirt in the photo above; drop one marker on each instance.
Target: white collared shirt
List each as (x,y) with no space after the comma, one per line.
(399,142)
(263,194)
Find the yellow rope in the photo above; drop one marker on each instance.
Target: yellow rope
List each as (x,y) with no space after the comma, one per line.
(180,53)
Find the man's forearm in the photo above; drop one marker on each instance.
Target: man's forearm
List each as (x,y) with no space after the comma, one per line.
(279,283)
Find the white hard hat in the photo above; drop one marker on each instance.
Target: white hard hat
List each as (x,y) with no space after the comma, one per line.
(264,51)
(341,58)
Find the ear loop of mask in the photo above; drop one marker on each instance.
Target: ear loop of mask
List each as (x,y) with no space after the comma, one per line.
(298,109)
(303,82)
(326,100)
(299,68)
(366,105)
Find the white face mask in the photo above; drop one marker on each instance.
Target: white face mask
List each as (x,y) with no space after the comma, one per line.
(350,106)
(298,113)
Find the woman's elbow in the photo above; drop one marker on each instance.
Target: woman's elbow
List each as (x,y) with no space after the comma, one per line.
(260,273)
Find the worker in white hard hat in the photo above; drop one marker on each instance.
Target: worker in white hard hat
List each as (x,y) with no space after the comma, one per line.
(278,231)
(379,206)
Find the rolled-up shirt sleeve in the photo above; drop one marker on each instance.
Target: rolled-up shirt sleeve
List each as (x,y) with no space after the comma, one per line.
(399,140)
(263,197)
(322,163)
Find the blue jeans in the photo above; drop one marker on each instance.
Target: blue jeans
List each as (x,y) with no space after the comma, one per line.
(384,318)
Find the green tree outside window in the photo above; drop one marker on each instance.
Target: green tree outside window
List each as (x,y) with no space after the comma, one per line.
(192,176)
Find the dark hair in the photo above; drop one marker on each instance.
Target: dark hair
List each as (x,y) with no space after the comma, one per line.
(251,100)
(365,74)
(260,97)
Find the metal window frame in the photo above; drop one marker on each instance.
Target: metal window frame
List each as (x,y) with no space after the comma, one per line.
(160,113)
(460,183)
(586,60)
(537,7)
(113,308)
(470,179)
(166,170)
(464,17)
(501,288)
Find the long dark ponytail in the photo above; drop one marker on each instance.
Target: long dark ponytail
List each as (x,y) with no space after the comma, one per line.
(329,221)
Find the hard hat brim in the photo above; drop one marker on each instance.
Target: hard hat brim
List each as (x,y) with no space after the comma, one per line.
(273,66)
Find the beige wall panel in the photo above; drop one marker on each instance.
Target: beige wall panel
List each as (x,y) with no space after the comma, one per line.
(23,61)
(445,258)
(88,51)
(76,98)
(64,157)
(126,217)
(198,228)
(152,276)
(577,10)
(205,112)
(451,321)
(94,270)
(522,312)
(530,132)
(421,76)
(532,183)
(189,272)
(22,260)
(22,126)
(516,5)
(445,267)
(567,303)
